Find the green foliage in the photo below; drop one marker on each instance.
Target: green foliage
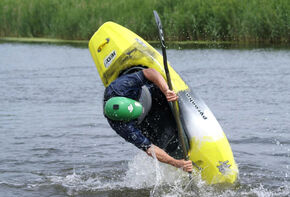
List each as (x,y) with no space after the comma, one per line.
(217,20)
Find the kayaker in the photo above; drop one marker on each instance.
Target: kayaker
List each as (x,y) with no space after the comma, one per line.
(124,111)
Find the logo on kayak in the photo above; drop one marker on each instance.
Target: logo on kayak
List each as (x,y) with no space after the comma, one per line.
(224,166)
(109,59)
(191,100)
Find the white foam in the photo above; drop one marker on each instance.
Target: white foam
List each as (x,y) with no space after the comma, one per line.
(161,180)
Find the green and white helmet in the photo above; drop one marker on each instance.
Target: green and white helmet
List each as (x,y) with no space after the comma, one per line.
(122,109)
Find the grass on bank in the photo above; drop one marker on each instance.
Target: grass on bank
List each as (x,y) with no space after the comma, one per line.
(190,20)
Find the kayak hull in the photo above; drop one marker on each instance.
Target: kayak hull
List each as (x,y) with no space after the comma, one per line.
(209,147)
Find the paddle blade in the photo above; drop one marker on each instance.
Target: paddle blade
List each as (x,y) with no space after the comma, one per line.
(159,26)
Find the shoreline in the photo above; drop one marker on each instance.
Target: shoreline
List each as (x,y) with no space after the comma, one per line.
(155,43)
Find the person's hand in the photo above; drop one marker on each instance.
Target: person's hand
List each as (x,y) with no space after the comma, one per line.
(185,165)
(170,95)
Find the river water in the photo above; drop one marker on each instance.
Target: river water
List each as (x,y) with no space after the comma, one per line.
(54,140)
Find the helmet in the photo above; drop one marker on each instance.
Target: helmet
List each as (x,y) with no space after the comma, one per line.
(122,109)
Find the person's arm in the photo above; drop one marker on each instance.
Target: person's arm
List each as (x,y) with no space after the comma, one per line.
(163,157)
(155,77)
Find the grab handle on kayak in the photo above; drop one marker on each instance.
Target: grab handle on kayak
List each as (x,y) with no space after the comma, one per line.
(103,44)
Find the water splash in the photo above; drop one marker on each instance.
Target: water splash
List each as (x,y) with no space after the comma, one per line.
(166,181)
(75,183)
(161,179)
(157,179)
(157,173)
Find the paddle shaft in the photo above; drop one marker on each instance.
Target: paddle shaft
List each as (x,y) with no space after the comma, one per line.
(174,103)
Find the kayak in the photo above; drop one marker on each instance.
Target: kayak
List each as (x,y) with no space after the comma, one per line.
(116,51)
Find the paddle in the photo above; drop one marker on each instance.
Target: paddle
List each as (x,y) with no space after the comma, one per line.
(174,103)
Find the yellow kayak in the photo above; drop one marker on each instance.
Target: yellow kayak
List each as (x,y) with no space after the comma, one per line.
(117,50)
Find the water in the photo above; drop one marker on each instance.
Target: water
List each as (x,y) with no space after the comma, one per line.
(55,142)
